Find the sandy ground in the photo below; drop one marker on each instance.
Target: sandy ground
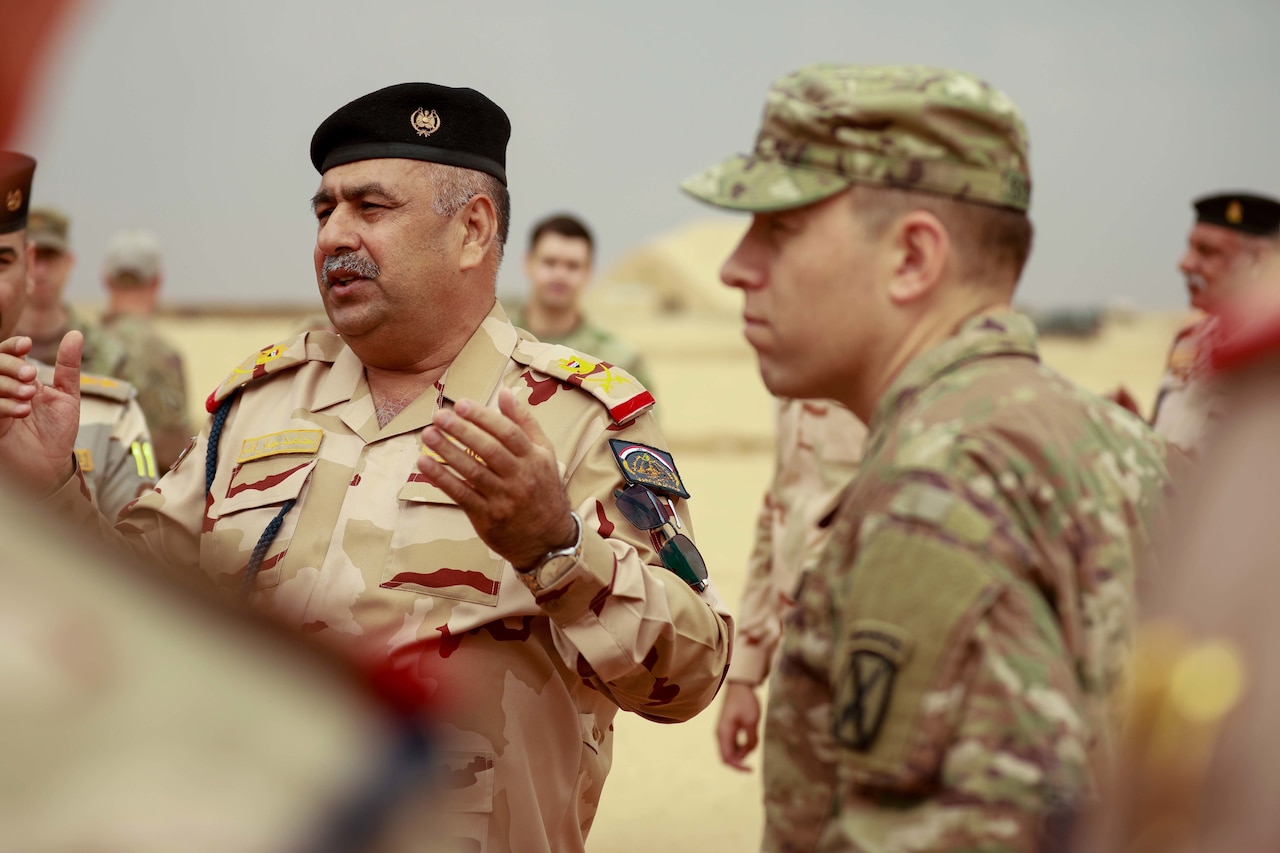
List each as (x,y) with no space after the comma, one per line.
(667,790)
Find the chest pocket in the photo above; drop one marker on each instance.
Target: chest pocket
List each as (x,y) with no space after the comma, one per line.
(257,493)
(435,550)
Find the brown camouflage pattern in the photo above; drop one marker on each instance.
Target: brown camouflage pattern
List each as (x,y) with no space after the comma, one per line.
(819,443)
(1189,402)
(115,459)
(605,345)
(155,368)
(987,551)
(908,126)
(376,557)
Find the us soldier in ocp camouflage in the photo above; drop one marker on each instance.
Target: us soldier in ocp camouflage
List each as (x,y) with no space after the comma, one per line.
(111,441)
(496,562)
(947,669)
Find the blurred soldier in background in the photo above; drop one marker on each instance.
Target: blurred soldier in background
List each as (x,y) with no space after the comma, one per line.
(819,443)
(1198,772)
(947,672)
(48,316)
(1233,234)
(112,445)
(132,275)
(558,265)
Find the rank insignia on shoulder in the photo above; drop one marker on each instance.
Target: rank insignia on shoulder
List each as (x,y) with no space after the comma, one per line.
(648,466)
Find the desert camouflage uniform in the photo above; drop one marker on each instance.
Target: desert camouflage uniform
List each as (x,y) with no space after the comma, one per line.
(602,344)
(1188,402)
(945,674)
(154,367)
(376,557)
(115,462)
(819,444)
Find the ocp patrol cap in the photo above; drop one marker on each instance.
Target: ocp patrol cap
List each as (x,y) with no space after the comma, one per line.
(912,127)
(16,173)
(1244,212)
(416,121)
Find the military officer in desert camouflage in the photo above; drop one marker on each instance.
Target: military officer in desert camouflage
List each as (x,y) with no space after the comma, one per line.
(945,674)
(112,443)
(496,514)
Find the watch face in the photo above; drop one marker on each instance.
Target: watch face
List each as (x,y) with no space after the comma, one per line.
(554,569)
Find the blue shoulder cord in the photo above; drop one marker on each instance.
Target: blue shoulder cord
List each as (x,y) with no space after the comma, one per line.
(210,469)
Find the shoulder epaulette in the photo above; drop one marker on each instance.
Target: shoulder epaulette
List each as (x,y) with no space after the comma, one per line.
(308,346)
(620,392)
(109,387)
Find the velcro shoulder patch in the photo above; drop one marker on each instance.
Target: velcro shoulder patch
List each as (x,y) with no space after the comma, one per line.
(308,346)
(105,386)
(648,466)
(618,391)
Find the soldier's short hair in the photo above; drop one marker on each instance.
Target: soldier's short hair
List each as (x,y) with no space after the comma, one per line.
(565,225)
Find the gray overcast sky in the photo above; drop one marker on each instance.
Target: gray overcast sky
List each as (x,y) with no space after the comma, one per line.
(194,118)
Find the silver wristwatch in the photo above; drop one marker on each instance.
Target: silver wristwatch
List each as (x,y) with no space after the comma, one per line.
(554,564)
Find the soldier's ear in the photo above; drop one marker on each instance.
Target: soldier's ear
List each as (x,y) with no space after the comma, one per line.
(480,231)
(920,252)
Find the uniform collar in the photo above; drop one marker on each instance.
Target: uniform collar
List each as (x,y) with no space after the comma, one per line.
(984,336)
(478,368)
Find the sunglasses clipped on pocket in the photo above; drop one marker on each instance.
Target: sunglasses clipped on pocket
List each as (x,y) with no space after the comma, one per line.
(677,552)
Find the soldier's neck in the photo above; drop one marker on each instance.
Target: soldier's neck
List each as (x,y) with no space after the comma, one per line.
(547,322)
(393,390)
(42,324)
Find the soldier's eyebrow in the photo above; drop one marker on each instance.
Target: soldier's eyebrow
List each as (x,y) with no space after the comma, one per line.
(326,196)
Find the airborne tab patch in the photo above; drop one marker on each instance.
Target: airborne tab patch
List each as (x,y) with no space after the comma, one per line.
(277,443)
(648,466)
(876,651)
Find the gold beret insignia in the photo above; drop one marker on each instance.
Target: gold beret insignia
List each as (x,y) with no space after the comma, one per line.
(425,122)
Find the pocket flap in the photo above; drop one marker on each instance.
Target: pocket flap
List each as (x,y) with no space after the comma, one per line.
(466,781)
(420,491)
(263,483)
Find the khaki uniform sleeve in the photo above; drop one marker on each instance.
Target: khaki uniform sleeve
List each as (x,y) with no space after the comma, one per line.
(115,436)
(630,626)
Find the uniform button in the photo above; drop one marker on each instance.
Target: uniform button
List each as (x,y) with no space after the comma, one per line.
(553,606)
(595,733)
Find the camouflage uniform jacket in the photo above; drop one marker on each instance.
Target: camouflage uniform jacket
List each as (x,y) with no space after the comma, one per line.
(602,344)
(945,674)
(376,558)
(1188,401)
(103,351)
(114,459)
(155,368)
(819,444)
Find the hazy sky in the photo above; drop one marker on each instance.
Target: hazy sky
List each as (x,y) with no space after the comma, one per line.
(194,118)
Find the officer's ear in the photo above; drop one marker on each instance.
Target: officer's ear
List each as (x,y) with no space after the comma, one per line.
(920,250)
(480,231)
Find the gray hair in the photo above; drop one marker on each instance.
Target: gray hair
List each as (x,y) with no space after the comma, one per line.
(456,186)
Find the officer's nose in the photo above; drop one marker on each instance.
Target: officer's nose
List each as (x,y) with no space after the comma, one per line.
(745,267)
(337,234)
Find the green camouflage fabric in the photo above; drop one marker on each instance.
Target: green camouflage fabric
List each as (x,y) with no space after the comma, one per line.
(154,367)
(819,443)
(103,351)
(947,673)
(1189,402)
(115,460)
(600,343)
(376,559)
(912,127)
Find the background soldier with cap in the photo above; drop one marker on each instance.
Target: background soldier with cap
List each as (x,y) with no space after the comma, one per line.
(505,564)
(109,433)
(945,674)
(819,445)
(558,265)
(1233,235)
(48,316)
(132,275)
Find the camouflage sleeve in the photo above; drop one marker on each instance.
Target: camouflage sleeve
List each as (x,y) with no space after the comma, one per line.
(953,691)
(631,627)
(162,394)
(760,615)
(128,466)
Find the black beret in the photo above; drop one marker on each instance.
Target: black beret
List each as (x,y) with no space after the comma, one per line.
(416,121)
(1244,212)
(16,172)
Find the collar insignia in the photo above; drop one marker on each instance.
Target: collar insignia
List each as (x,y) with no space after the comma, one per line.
(425,122)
